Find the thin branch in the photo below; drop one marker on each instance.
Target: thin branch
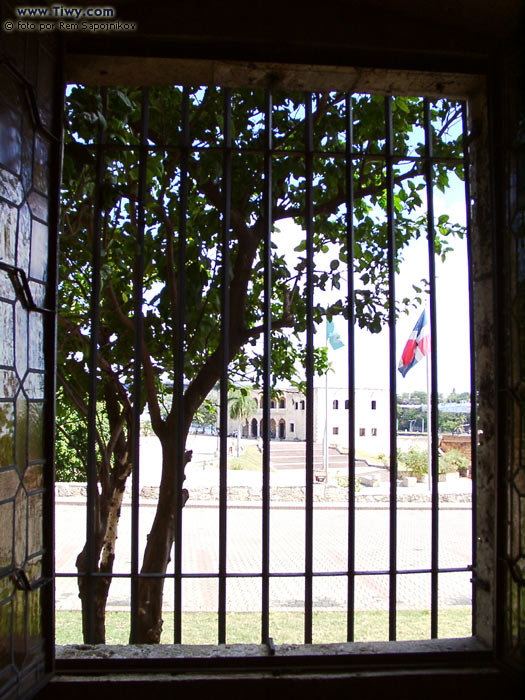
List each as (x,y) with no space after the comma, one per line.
(149,372)
(330,206)
(172,279)
(285,322)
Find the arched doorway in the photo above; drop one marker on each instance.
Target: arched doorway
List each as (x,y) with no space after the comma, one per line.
(254,427)
(273,429)
(282,429)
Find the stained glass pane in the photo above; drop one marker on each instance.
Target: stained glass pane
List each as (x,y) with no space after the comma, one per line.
(26,152)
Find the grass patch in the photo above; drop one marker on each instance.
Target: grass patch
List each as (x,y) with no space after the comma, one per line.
(250,460)
(285,627)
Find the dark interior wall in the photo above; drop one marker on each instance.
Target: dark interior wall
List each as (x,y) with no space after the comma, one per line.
(483,685)
(406,33)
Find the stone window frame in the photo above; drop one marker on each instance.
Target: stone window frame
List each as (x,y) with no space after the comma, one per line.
(103,70)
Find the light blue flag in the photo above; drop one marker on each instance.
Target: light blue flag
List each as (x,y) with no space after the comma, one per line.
(333,336)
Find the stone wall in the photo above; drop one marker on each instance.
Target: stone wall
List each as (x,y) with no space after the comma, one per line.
(295,495)
(463,443)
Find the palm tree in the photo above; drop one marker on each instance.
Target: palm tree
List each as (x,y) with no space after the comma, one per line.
(242,404)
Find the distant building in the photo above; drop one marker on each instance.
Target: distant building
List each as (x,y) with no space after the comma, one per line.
(288,417)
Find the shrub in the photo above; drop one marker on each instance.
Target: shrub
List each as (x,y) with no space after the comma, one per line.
(452,461)
(414,461)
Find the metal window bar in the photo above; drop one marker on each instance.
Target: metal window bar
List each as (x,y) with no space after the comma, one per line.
(473,381)
(349,157)
(93,363)
(225,327)
(309,464)
(429,181)
(179,378)
(350,241)
(267,340)
(138,284)
(273,574)
(392,605)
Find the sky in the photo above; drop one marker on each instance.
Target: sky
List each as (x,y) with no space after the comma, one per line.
(452,308)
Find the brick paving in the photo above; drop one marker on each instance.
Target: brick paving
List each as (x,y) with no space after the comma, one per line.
(200,555)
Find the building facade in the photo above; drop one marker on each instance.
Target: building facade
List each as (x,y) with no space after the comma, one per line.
(288,417)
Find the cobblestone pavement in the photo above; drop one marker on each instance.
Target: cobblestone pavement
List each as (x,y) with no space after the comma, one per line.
(201,546)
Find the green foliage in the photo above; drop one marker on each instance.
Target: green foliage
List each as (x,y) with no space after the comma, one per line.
(70,461)
(413,460)
(343,481)
(411,418)
(451,422)
(412,409)
(417,398)
(168,166)
(207,412)
(70,444)
(241,402)
(249,460)
(145,428)
(203,222)
(453,461)
(72,440)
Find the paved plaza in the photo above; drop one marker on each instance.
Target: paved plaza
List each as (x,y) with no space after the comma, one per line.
(201,549)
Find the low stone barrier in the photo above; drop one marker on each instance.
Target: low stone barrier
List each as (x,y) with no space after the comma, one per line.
(284,494)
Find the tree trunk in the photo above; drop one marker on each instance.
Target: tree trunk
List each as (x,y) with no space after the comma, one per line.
(239,438)
(158,546)
(107,514)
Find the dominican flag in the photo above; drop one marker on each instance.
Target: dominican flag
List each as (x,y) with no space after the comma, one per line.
(418,345)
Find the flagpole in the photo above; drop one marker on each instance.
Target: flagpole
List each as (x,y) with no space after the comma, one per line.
(429,437)
(325,445)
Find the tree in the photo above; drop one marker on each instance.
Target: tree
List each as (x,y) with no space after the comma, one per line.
(410,418)
(159,301)
(451,422)
(206,415)
(242,404)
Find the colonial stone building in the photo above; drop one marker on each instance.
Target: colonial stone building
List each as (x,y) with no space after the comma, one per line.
(288,417)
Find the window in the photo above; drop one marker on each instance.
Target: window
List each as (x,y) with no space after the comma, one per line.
(292,427)
(374,432)
(373,405)
(282,403)
(198,155)
(507,624)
